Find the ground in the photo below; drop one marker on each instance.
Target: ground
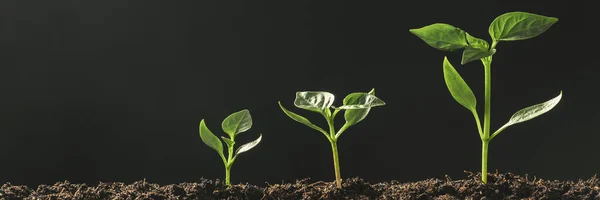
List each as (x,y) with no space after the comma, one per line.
(500,186)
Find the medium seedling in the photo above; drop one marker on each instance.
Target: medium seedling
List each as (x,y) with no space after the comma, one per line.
(510,26)
(233,125)
(356,107)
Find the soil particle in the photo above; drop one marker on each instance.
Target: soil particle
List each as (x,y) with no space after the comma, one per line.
(500,186)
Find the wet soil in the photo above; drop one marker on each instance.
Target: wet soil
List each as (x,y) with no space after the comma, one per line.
(500,186)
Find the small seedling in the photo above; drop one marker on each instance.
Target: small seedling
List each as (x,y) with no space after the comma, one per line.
(233,125)
(510,26)
(356,107)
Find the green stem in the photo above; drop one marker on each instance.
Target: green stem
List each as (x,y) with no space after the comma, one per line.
(228,165)
(228,176)
(333,140)
(484,158)
(336,163)
(487,64)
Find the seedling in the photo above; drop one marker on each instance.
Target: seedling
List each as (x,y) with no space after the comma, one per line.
(510,26)
(356,107)
(233,125)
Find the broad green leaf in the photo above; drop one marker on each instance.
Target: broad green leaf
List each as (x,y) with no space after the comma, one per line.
(316,101)
(361,100)
(471,54)
(228,141)
(237,122)
(210,139)
(248,146)
(519,26)
(442,36)
(301,119)
(356,115)
(458,87)
(531,112)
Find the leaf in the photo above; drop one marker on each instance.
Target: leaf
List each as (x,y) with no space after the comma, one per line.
(301,119)
(442,36)
(372,92)
(476,50)
(458,87)
(316,101)
(248,146)
(356,115)
(210,139)
(531,112)
(471,54)
(237,122)
(361,100)
(228,141)
(476,42)
(519,26)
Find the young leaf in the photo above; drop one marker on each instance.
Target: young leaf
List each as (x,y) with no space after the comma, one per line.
(471,54)
(237,122)
(228,141)
(442,36)
(458,87)
(476,50)
(316,101)
(530,112)
(248,145)
(210,139)
(519,26)
(361,100)
(354,116)
(302,120)
(476,42)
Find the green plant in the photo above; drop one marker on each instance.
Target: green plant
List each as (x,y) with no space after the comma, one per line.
(510,26)
(356,107)
(233,125)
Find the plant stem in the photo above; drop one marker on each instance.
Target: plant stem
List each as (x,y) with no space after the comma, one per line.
(228,175)
(333,140)
(228,165)
(487,65)
(484,158)
(336,163)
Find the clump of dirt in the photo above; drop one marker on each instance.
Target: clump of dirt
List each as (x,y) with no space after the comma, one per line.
(500,186)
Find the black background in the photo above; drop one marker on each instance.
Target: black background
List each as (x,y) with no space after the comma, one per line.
(114,90)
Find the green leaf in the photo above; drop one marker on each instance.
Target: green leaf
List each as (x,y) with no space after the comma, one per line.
(237,122)
(442,36)
(476,42)
(372,92)
(302,120)
(458,87)
(356,115)
(476,50)
(248,145)
(210,139)
(519,26)
(361,100)
(228,141)
(316,101)
(471,54)
(530,112)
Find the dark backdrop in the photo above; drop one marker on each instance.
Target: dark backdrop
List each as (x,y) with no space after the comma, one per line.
(114,90)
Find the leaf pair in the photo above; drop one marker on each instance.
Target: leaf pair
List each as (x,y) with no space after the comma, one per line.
(356,105)
(464,96)
(233,125)
(511,26)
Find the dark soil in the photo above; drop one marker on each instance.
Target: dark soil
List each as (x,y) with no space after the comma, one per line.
(500,186)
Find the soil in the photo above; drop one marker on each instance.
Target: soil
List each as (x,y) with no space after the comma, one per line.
(500,186)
